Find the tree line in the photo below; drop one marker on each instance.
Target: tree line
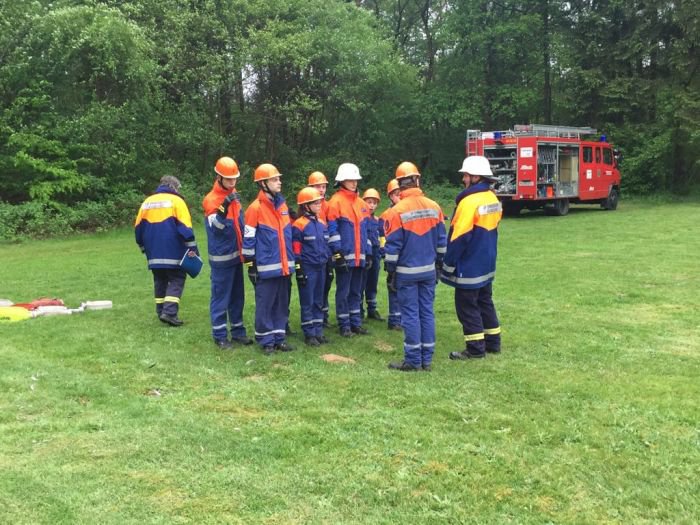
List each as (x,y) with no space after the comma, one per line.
(100,98)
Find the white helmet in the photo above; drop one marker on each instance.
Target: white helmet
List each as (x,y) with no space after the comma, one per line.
(348,171)
(478,165)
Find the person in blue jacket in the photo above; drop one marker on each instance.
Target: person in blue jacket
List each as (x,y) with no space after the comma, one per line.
(311,253)
(224,225)
(470,261)
(371,276)
(163,230)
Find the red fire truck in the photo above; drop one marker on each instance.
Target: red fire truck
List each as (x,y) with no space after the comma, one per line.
(544,166)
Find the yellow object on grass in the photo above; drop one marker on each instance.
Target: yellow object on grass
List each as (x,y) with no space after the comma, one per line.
(14,313)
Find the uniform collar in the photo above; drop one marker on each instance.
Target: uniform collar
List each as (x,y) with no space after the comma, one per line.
(167,189)
(275,202)
(411,192)
(474,188)
(220,190)
(348,193)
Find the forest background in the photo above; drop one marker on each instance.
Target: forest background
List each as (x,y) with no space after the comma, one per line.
(99,99)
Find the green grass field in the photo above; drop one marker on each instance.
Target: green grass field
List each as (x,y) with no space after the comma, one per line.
(590,415)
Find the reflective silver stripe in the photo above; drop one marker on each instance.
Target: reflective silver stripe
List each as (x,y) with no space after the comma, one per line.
(307,323)
(334,238)
(494,207)
(448,269)
(222,258)
(290,265)
(249,231)
(391,257)
(249,251)
(428,345)
(176,262)
(351,257)
(419,214)
(469,280)
(416,269)
(156,205)
(214,222)
(395,314)
(310,238)
(270,267)
(260,334)
(343,316)
(191,244)
(236,325)
(442,250)
(411,347)
(317,320)
(355,311)
(218,326)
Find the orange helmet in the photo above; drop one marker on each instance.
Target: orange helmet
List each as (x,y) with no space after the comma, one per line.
(371,193)
(406,169)
(308,195)
(227,168)
(264,172)
(317,178)
(392,186)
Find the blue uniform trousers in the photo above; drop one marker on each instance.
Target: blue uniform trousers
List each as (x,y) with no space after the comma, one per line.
(371,280)
(168,285)
(394,318)
(476,312)
(271,304)
(311,300)
(227,301)
(348,294)
(418,319)
(328,280)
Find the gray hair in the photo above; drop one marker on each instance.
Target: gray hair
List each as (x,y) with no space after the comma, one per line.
(171,182)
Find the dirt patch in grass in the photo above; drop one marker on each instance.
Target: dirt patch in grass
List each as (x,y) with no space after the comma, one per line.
(334,358)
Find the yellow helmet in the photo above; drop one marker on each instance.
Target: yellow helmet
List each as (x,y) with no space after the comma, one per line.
(371,193)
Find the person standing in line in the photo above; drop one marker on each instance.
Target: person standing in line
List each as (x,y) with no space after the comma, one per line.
(310,242)
(394,317)
(371,276)
(163,230)
(267,252)
(347,230)
(470,261)
(319,181)
(224,226)
(415,246)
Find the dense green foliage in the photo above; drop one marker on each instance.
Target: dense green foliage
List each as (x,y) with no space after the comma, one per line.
(99,97)
(589,416)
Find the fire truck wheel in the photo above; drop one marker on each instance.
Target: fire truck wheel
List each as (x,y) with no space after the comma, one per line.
(511,209)
(560,207)
(611,202)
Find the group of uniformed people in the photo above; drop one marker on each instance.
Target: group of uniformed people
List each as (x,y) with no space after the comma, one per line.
(339,238)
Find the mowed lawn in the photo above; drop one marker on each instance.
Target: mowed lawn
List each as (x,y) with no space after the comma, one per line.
(590,415)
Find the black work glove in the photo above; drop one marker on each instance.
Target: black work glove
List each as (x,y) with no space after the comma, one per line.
(341,265)
(302,279)
(329,273)
(438,270)
(252,271)
(391,281)
(222,211)
(369,262)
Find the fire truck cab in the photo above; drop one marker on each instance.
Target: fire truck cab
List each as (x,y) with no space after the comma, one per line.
(544,166)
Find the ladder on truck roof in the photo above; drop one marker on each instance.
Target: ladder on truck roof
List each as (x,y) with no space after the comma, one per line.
(547,130)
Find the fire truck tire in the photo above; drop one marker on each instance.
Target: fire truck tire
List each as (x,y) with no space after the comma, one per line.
(559,208)
(511,209)
(610,203)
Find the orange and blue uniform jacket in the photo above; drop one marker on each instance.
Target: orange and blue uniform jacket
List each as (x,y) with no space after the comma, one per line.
(310,241)
(267,238)
(163,229)
(347,227)
(470,261)
(373,233)
(224,237)
(415,236)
